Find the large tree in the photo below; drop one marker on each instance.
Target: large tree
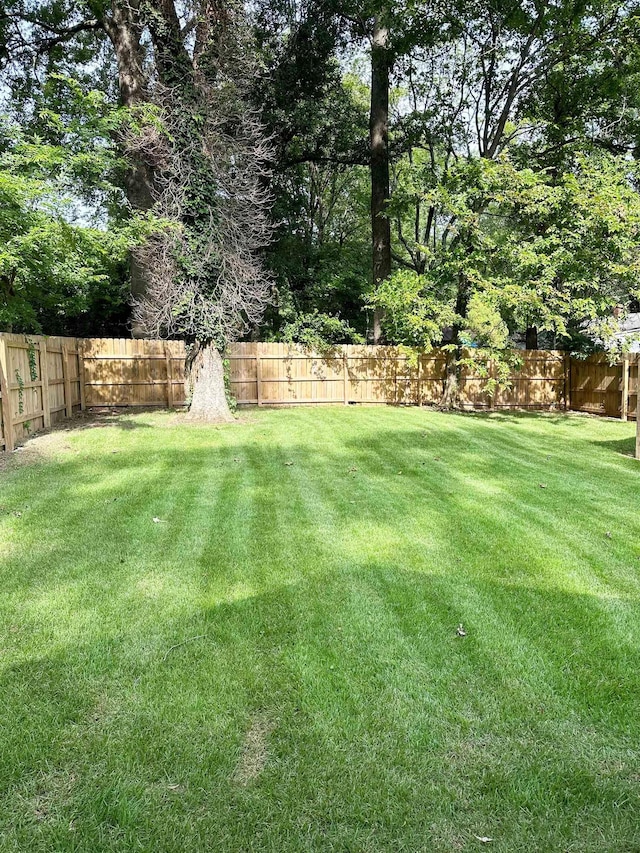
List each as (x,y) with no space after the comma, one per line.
(316,34)
(559,250)
(197,158)
(540,81)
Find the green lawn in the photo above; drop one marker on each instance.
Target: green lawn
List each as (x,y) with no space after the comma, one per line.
(274,665)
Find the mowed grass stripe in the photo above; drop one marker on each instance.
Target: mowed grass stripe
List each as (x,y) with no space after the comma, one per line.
(274,664)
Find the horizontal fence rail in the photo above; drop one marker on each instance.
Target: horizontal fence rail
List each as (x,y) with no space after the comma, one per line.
(45,379)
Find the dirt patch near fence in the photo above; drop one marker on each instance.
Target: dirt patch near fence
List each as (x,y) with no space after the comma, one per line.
(45,444)
(36,449)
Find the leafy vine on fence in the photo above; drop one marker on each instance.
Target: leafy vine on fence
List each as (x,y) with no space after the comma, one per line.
(20,382)
(33,366)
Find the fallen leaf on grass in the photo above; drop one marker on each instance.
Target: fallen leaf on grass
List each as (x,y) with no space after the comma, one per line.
(460,631)
(159,520)
(288,463)
(483,838)
(542,485)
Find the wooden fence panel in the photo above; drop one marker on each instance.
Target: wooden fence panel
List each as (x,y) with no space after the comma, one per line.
(64,377)
(596,386)
(122,372)
(24,381)
(243,369)
(380,375)
(40,385)
(539,382)
(277,374)
(6,431)
(290,374)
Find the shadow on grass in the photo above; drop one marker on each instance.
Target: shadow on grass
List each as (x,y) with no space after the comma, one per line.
(380,714)
(113,418)
(621,446)
(513,416)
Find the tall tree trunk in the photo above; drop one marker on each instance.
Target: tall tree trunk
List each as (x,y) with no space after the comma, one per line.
(205,379)
(379,141)
(124,30)
(531,337)
(450,392)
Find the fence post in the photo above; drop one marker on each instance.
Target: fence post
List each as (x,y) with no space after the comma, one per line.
(418,386)
(258,374)
(167,358)
(68,401)
(637,417)
(80,346)
(634,360)
(567,381)
(624,409)
(7,414)
(44,378)
(491,398)
(395,379)
(345,377)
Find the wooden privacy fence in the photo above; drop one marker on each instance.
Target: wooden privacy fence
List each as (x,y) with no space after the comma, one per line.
(276,374)
(601,388)
(45,379)
(40,383)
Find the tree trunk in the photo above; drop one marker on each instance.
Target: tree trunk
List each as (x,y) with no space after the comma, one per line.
(205,378)
(449,399)
(379,141)
(531,338)
(124,30)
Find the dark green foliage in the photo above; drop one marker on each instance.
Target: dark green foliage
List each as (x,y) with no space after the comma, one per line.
(64,232)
